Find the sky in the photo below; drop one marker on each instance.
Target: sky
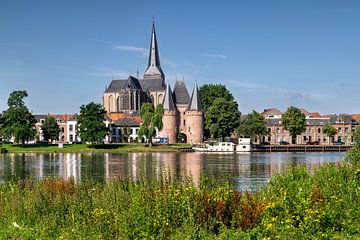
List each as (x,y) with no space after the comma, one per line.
(267,53)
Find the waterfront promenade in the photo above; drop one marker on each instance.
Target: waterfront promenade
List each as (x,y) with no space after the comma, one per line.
(301,148)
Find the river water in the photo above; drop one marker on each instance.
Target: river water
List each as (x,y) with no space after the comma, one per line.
(248,170)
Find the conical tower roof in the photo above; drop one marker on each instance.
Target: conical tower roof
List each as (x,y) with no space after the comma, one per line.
(181,94)
(195,104)
(168,102)
(154,69)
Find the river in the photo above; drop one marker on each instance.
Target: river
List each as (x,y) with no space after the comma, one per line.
(248,171)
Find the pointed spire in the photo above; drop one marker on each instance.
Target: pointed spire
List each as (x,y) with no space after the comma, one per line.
(195,104)
(181,94)
(168,103)
(154,69)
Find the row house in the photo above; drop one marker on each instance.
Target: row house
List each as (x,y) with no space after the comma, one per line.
(122,128)
(344,124)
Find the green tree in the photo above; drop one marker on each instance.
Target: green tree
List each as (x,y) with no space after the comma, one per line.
(253,126)
(17,121)
(357,137)
(152,120)
(50,129)
(294,121)
(330,131)
(91,123)
(222,118)
(208,94)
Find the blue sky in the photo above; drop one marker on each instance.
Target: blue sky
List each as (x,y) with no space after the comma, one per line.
(267,53)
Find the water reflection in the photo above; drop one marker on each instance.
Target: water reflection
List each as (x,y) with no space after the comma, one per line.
(248,171)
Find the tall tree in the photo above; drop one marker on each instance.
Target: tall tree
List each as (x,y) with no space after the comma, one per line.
(222,118)
(330,131)
(253,126)
(91,123)
(17,121)
(294,121)
(50,129)
(152,120)
(209,92)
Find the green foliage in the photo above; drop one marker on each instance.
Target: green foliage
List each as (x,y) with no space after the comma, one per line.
(17,121)
(329,130)
(253,126)
(357,137)
(91,123)
(222,118)
(322,204)
(50,129)
(210,92)
(152,120)
(294,121)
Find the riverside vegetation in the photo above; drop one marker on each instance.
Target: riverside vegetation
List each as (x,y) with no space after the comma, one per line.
(298,204)
(98,148)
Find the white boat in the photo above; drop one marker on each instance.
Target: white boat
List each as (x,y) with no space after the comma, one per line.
(243,146)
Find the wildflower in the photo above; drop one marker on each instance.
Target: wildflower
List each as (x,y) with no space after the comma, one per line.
(15,224)
(22,183)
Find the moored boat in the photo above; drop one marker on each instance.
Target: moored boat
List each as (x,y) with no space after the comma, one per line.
(243,146)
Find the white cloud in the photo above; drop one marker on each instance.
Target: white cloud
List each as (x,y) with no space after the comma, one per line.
(109,72)
(214,55)
(103,41)
(131,48)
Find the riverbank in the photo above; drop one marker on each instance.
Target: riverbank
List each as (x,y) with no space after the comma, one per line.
(86,148)
(299,204)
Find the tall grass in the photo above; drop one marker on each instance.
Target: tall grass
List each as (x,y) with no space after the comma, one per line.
(295,205)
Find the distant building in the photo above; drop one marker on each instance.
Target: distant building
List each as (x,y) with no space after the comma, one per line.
(183,115)
(344,124)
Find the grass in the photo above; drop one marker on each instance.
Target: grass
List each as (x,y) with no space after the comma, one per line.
(298,204)
(114,148)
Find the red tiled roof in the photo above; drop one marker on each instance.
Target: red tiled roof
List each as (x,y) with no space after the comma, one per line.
(356,117)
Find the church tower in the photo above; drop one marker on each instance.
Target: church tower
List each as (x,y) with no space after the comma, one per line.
(170,115)
(194,118)
(154,70)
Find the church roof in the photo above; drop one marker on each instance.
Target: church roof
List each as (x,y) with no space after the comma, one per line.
(152,84)
(195,104)
(116,85)
(181,94)
(154,67)
(168,103)
(133,83)
(144,84)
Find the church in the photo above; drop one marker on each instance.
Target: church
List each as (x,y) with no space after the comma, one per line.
(183,115)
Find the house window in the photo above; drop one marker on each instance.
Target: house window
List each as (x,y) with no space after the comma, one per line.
(339,130)
(319,130)
(184,122)
(70,127)
(71,138)
(277,130)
